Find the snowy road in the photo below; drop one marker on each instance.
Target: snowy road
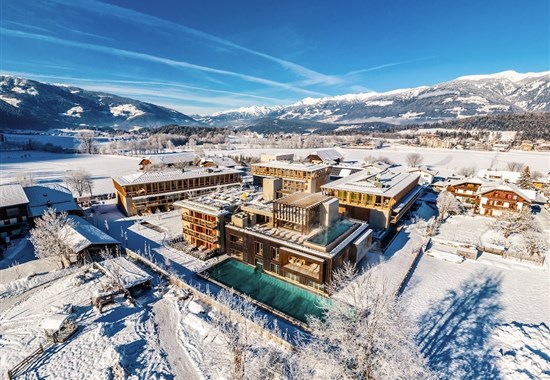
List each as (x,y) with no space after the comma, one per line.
(167,319)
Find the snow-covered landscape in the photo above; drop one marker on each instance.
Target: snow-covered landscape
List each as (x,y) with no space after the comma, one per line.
(274,190)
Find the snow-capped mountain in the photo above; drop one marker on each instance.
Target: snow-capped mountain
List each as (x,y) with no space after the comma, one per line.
(30,104)
(501,93)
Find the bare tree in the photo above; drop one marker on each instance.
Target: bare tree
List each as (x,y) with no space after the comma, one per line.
(447,204)
(363,334)
(514,166)
(513,222)
(50,234)
(231,344)
(87,143)
(467,171)
(26,179)
(79,180)
(534,244)
(414,159)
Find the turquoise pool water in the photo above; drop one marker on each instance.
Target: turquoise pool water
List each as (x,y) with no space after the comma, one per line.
(330,234)
(278,294)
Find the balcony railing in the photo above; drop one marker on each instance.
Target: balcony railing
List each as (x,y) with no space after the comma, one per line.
(199,221)
(200,235)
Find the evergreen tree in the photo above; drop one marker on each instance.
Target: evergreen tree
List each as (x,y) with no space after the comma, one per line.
(525,180)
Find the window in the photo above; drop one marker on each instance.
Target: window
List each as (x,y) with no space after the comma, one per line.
(236,239)
(274,268)
(259,264)
(11,212)
(292,276)
(258,248)
(274,253)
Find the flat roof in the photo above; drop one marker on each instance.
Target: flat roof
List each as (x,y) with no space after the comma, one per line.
(387,183)
(12,195)
(302,166)
(303,200)
(170,175)
(217,203)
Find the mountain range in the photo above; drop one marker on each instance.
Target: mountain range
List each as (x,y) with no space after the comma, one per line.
(502,93)
(30,104)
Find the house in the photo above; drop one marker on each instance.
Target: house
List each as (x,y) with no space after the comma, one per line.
(499,175)
(168,160)
(379,198)
(427,174)
(326,156)
(466,190)
(527,145)
(291,177)
(299,238)
(497,198)
(150,191)
(501,147)
(86,241)
(57,197)
(216,162)
(13,212)
(268,157)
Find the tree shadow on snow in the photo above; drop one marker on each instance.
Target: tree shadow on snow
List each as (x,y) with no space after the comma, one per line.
(455,333)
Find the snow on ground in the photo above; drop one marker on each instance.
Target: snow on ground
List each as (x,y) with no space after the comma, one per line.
(447,161)
(123,340)
(51,167)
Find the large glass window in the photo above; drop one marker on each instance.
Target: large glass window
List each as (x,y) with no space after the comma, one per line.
(258,248)
(274,253)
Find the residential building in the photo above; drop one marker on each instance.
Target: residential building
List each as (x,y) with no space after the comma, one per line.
(294,176)
(86,241)
(497,198)
(268,157)
(215,162)
(466,189)
(299,238)
(204,217)
(328,156)
(499,175)
(168,160)
(146,192)
(427,174)
(379,198)
(57,197)
(13,212)
(377,166)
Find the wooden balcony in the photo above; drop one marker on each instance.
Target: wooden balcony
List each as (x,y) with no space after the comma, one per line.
(199,235)
(199,221)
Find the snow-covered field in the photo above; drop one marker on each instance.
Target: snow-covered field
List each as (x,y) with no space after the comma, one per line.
(447,161)
(121,342)
(51,167)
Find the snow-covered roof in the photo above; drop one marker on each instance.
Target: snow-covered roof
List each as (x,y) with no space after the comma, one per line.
(54,322)
(327,154)
(170,175)
(504,175)
(42,197)
(474,180)
(424,169)
(220,161)
(83,235)
(380,165)
(170,158)
(386,183)
(124,270)
(300,166)
(529,195)
(12,195)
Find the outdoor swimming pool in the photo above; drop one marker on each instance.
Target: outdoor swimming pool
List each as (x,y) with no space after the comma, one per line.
(269,290)
(326,237)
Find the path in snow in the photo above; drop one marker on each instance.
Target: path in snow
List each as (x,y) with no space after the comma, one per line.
(167,320)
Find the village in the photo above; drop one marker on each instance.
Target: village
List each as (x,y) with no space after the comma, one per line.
(151,255)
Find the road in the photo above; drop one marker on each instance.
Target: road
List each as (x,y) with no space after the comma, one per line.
(180,362)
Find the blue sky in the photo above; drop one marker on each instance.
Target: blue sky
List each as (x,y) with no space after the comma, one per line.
(206,56)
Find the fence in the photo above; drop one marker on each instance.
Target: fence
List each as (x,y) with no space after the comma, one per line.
(208,300)
(19,368)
